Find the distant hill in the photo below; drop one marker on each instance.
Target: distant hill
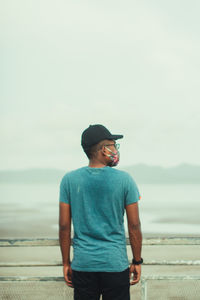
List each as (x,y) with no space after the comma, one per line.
(142,173)
(183,173)
(32,176)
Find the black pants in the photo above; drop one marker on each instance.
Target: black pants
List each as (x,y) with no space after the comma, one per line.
(90,285)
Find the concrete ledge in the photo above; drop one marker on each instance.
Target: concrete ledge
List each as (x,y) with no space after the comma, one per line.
(56,264)
(55,242)
(143,278)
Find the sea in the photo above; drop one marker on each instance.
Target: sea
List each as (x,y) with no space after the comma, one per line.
(32,210)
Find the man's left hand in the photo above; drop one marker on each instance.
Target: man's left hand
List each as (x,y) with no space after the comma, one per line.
(67,272)
(136,271)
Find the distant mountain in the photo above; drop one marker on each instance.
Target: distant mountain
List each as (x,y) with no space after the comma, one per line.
(32,176)
(142,173)
(183,173)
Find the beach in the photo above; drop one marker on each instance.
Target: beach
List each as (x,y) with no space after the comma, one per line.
(32,210)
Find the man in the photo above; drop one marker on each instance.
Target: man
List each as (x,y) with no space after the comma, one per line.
(95,197)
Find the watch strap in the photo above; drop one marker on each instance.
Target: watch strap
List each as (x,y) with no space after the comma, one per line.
(137,262)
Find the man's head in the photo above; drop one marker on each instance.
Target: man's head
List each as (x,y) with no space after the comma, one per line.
(98,143)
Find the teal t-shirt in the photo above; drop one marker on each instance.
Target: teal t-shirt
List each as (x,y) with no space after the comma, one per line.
(98,197)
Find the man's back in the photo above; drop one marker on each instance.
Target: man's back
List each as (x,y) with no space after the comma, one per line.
(97,197)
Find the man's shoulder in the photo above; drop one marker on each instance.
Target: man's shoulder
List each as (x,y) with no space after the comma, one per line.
(72,173)
(125,177)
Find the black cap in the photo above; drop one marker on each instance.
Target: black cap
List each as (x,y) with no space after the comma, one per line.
(95,134)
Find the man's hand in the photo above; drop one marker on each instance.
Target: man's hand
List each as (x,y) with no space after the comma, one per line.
(136,271)
(67,272)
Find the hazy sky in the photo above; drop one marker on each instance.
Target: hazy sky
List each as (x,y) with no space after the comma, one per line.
(133,66)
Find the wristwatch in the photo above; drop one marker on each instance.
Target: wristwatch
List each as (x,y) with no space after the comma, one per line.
(135,262)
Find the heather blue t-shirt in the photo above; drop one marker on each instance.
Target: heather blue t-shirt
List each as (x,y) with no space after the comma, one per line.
(98,197)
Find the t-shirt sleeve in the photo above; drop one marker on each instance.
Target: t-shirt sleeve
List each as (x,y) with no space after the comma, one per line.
(132,193)
(64,191)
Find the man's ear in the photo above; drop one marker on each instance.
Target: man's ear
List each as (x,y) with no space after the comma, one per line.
(104,151)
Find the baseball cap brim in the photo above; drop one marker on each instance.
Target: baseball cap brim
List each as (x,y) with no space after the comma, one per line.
(116,137)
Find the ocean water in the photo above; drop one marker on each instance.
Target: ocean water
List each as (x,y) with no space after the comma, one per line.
(31,210)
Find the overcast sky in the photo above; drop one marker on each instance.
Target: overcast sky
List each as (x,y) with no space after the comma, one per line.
(133,66)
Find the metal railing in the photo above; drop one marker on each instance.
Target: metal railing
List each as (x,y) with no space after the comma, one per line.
(145,279)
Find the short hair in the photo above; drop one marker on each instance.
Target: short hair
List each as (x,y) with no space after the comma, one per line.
(91,152)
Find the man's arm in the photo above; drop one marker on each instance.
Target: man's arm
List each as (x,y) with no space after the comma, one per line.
(65,239)
(135,237)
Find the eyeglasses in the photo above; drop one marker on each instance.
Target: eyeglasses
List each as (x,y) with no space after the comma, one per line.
(115,145)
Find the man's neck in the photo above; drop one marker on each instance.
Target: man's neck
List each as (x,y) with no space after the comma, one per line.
(93,163)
